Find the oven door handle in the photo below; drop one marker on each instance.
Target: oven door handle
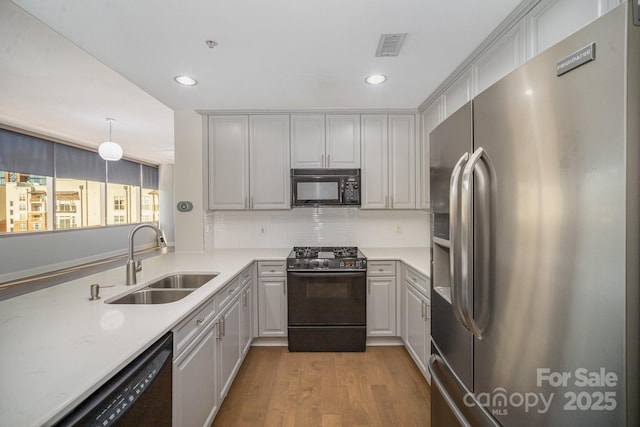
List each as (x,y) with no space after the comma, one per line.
(316,273)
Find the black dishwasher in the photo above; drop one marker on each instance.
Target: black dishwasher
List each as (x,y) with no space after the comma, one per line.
(138,395)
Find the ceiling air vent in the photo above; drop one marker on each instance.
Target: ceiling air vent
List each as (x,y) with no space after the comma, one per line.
(390,44)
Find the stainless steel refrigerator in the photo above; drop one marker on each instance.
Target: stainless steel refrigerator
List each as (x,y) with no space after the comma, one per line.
(535,188)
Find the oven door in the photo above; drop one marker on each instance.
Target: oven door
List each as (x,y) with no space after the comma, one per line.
(316,191)
(327,298)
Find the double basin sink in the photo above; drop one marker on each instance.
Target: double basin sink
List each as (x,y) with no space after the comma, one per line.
(167,289)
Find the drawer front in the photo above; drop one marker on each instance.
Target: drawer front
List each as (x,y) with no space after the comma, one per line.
(184,333)
(272,268)
(419,281)
(226,294)
(381,268)
(245,276)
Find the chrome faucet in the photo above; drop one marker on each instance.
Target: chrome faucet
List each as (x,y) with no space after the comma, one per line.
(134,266)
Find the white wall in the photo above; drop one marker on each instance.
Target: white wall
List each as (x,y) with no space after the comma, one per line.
(188,181)
(316,226)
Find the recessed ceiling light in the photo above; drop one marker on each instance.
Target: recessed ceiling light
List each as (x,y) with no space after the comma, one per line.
(375,79)
(186,80)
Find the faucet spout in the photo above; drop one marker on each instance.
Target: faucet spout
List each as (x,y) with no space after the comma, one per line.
(134,266)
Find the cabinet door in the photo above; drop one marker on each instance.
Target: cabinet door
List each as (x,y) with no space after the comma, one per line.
(402,149)
(342,141)
(228,162)
(194,383)
(228,359)
(374,162)
(272,307)
(246,301)
(381,306)
(269,162)
(307,141)
(430,120)
(458,94)
(416,332)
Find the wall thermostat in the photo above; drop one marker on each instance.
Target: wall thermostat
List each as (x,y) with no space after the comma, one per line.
(185,206)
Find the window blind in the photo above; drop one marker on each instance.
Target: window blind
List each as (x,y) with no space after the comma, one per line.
(123,172)
(77,163)
(25,154)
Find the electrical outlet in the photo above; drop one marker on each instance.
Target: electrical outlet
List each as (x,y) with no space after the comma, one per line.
(398,230)
(263,230)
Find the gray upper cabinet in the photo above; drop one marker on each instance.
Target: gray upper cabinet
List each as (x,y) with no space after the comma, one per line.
(388,162)
(228,162)
(248,162)
(319,141)
(269,162)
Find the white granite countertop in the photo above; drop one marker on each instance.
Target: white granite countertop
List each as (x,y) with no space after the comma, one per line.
(58,347)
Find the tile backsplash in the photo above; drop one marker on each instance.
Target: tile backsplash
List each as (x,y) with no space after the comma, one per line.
(316,227)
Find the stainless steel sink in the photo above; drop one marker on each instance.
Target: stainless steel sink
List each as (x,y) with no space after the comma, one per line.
(182,281)
(153,296)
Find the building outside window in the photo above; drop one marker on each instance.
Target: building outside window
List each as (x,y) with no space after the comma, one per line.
(48,186)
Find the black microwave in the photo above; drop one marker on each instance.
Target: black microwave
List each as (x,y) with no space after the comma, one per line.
(325,187)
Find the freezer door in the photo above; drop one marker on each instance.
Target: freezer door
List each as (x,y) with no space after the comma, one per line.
(449,143)
(553,339)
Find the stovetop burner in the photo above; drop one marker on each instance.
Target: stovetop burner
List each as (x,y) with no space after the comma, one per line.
(325,252)
(325,257)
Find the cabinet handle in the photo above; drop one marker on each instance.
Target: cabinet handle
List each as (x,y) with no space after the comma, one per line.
(244,296)
(328,160)
(391,206)
(219,330)
(386,201)
(284,288)
(368,286)
(224,328)
(422,304)
(199,321)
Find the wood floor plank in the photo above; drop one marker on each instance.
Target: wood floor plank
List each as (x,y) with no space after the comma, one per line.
(379,387)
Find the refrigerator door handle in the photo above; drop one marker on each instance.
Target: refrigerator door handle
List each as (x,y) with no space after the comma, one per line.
(454,239)
(483,180)
(443,391)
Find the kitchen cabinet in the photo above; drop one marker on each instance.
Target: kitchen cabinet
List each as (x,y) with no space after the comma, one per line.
(247,307)
(248,162)
(388,162)
(269,185)
(381,299)
(195,401)
(319,141)
(228,162)
(228,349)
(272,299)
(416,331)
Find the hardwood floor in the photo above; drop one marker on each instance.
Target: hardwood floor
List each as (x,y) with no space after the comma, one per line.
(380,387)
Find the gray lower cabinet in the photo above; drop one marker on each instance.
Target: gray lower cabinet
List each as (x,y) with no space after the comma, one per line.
(272,298)
(228,354)
(381,299)
(195,400)
(209,347)
(416,331)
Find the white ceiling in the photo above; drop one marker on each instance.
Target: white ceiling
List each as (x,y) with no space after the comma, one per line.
(276,54)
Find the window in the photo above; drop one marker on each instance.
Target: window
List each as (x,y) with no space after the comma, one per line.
(49,186)
(118,203)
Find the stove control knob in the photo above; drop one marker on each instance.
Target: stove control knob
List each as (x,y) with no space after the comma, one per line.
(316,263)
(297,263)
(306,262)
(325,263)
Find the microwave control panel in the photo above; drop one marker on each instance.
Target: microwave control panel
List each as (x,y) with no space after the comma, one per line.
(351,190)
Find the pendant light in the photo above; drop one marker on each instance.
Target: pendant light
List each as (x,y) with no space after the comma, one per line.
(110,150)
